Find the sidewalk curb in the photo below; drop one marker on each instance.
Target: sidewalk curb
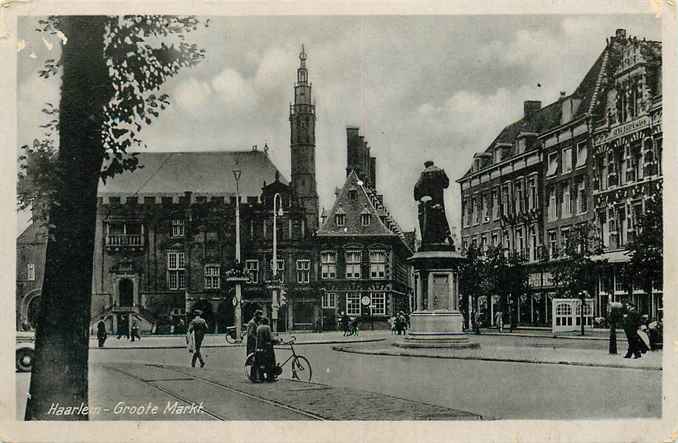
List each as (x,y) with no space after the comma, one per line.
(564,337)
(238,345)
(350,350)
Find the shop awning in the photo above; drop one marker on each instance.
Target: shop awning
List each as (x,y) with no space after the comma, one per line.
(612,257)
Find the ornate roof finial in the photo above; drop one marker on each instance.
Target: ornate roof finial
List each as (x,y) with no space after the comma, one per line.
(302,56)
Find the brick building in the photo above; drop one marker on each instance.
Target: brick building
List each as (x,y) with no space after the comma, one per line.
(31,247)
(543,175)
(361,248)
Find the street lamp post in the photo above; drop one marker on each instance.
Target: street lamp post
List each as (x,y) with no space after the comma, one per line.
(238,290)
(275,306)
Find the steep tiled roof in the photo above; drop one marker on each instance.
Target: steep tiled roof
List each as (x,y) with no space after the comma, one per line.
(549,117)
(366,201)
(208,172)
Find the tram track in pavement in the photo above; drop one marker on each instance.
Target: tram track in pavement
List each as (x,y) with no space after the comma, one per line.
(183,376)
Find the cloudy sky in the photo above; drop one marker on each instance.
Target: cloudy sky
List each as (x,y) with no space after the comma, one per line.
(419,87)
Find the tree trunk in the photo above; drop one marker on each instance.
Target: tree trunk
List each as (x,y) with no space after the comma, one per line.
(59,375)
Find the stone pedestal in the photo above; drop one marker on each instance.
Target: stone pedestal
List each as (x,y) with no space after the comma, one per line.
(436,323)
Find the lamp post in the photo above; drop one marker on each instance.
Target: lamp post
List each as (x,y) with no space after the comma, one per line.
(274,268)
(238,294)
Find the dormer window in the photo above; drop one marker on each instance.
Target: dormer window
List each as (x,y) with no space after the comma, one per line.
(340,219)
(365,219)
(177,228)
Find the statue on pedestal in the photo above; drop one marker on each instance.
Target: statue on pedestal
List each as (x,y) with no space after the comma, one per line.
(429,193)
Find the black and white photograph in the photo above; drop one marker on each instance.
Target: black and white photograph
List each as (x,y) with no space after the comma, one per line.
(355,217)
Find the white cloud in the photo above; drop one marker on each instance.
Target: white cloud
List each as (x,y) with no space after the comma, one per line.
(192,94)
(235,91)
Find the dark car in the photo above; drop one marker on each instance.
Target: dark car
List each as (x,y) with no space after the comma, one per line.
(25,349)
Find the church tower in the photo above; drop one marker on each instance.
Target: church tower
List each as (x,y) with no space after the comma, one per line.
(302,145)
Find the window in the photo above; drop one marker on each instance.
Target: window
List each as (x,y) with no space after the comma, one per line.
(566,209)
(488,207)
(495,205)
(567,160)
(340,219)
(328,265)
(377,264)
(281,269)
(553,248)
(532,254)
(518,195)
(532,195)
(303,271)
(30,272)
(329,300)
(553,214)
(365,219)
(252,268)
(352,303)
(177,228)
(495,239)
(353,259)
(582,205)
(553,164)
(474,216)
(520,245)
(353,194)
(582,153)
(483,244)
(176,277)
(212,276)
(378,305)
(564,240)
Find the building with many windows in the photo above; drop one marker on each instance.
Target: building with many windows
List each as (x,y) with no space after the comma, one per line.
(591,157)
(362,250)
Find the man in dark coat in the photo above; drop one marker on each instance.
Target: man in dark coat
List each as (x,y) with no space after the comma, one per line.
(198,326)
(631,325)
(265,354)
(101,333)
(252,331)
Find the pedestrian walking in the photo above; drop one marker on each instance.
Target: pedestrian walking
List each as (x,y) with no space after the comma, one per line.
(499,321)
(265,353)
(135,330)
(354,327)
(101,333)
(123,327)
(631,325)
(476,321)
(197,328)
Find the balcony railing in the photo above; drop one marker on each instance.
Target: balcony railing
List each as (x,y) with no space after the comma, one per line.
(124,240)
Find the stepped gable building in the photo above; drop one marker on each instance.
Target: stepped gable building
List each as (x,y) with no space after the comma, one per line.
(537,180)
(627,162)
(362,249)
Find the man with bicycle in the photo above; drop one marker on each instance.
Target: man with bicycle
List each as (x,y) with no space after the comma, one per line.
(252,331)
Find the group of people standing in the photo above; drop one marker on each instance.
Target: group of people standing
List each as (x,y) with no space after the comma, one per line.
(349,325)
(124,330)
(399,323)
(640,337)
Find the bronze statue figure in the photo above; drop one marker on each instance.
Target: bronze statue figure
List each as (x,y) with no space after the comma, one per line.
(429,194)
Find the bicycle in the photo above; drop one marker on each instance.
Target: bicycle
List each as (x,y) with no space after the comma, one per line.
(231,338)
(301,367)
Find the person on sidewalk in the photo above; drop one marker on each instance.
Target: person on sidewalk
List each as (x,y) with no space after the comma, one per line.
(476,321)
(123,327)
(499,321)
(265,353)
(101,333)
(631,325)
(345,321)
(135,330)
(198,327)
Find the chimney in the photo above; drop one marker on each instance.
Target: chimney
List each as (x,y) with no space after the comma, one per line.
(373,172)
(352,148)
(562,95)
(530,107)
(620,34)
